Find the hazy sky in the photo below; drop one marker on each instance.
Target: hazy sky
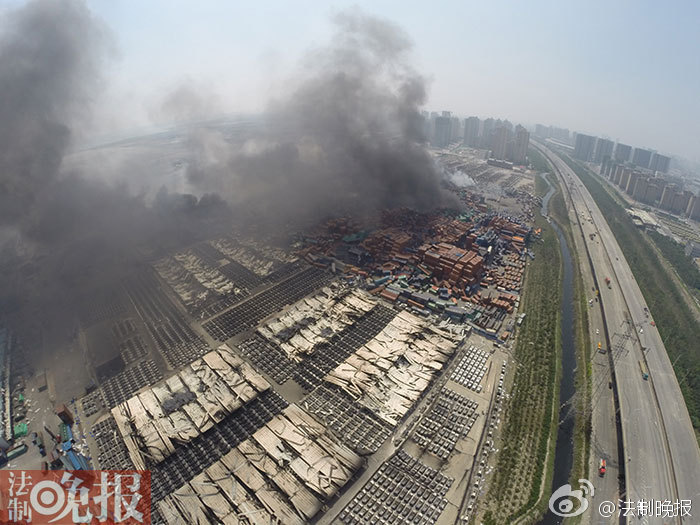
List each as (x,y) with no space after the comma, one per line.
(629,70)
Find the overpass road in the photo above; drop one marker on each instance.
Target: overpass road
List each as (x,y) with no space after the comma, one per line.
(661,455)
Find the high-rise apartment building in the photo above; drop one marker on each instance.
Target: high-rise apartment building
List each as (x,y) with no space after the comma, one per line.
(625,178)
(622,152)
(654,191)
(500,142)
(641,157)
(584,146)
(667,197)
(443,132)
(545,132)
(487,133)
(680,201)
(561,134)
(455,129)
(617,174)
(471,132)
(693,209)
(632,183)
(542,131)
(659,163)
(522,142)
(603,150)
(640,189)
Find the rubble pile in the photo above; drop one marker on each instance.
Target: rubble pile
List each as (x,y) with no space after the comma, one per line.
(314,320)
(390,372)
(259,258)
(467,267)
(193,280)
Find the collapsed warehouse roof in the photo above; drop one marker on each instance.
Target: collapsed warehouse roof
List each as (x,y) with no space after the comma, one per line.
(314,320)
(154,422)
(389,373)
(259,258)
(283,473)
(192,279)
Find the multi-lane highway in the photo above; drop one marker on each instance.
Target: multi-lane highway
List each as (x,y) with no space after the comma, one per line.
(662,459)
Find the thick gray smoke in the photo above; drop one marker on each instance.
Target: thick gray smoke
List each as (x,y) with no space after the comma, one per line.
(347,139)
(80,232)
(50,58)
(459,178)
(188,102)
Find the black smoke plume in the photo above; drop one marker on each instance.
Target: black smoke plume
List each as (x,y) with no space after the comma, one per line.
(66,234)
(50,59)
(346,139)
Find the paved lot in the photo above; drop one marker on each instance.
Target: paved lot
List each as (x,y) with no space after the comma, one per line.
(459,464)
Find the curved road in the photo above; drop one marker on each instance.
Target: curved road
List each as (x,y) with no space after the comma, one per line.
(662,456)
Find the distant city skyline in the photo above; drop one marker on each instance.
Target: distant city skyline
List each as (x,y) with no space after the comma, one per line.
(627,71)
(598,137)
(592,148)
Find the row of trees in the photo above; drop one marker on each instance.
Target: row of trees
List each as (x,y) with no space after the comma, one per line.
(685,267)
(531,415)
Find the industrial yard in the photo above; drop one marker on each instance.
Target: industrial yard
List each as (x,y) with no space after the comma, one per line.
(354,375)
(275,275)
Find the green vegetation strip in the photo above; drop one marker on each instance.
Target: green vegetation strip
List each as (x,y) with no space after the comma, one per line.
(685,267)
(582,397)
(529,434)
(537,161)
(541,187)
(677,325)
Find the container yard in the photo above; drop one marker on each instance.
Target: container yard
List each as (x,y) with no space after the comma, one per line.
(349,376)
